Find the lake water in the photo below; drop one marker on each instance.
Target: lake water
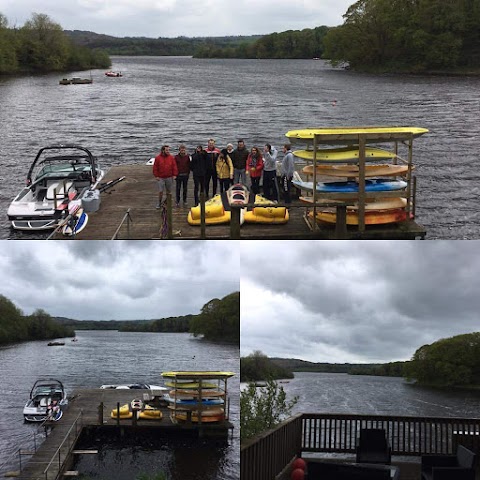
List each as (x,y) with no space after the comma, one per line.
(101,357)
(360,394)
(173,100)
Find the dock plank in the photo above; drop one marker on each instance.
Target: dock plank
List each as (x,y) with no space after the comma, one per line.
(89,401)
(138,193)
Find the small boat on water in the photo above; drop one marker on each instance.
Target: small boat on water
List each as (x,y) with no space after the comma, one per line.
(55,344)
(58,175)
(113,74)
(48,399)
(75,81)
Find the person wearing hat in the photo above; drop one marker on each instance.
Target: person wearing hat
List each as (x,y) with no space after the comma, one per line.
(239,159)
(228,151)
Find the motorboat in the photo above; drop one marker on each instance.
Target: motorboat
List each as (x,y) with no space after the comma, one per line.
(48,399)
(135,386)
(58,175)
(155,390)
(113,74)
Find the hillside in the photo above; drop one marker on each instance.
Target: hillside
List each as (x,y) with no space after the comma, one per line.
(180,46)
(392,369)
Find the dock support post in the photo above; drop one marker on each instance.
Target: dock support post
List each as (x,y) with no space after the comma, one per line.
(118,414)
(202,215)
(235,222)
(100,413)
(169,216)
(341,223)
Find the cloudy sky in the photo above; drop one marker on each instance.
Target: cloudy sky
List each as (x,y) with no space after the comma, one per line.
(356,301)
(172,18)
(117,280)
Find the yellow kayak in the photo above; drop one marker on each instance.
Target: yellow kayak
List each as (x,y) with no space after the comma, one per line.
(345,154)
(191,385)
(207,416)
(197,374)
(370,204)
(150,413)
(124,412)
(350,134)
(185,394)
(268,214)
(372,217)
(215,214)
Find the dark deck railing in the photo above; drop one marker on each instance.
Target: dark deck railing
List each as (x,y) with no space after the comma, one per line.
(264,457)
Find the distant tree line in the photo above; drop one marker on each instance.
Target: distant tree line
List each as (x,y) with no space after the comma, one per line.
(41,46)
(180,46)
(293,44)
(407,35)
(392,369)
(16,327)
(449,362)
(219,320)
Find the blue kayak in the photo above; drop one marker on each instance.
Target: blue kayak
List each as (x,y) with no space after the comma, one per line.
(377,185)
(205,401)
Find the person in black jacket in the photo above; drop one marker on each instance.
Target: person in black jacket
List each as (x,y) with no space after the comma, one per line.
(212,154)
(239,159)
(199,170)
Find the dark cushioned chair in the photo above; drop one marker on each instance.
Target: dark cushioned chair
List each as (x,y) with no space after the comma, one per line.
(449,467)
(341,471)
(373,447)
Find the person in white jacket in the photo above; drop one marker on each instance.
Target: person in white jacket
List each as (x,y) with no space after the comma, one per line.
(288,167)
(270,189)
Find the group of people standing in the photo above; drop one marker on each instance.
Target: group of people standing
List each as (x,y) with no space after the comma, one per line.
(223,168)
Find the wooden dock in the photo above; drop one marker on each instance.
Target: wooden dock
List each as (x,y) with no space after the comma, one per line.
(138,195)
(91,409)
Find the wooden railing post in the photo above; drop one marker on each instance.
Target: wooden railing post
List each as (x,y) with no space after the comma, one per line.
(235,222)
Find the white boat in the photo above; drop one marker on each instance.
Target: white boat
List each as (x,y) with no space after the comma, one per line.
(58,175)
(155,389)
(47,400)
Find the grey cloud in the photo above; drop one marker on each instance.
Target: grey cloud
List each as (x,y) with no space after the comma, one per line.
(117,280)
(374,300)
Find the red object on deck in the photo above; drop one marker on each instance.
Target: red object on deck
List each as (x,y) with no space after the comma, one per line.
(299,463)
(298,474)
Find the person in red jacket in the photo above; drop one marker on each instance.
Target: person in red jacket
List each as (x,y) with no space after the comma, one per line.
(183,164)
(254,168)
(165,171)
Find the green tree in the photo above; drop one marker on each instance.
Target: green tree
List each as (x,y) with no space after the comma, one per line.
(411,35)
(453,361)
(219,319)
(263,408)
(46,47)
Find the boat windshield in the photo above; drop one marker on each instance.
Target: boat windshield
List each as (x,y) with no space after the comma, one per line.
(56,168)
(61,162)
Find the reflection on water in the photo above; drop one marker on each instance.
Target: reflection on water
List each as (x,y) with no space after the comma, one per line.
(148,453)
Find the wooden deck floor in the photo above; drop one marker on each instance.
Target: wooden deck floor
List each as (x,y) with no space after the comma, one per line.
(138,193)
(88,402)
